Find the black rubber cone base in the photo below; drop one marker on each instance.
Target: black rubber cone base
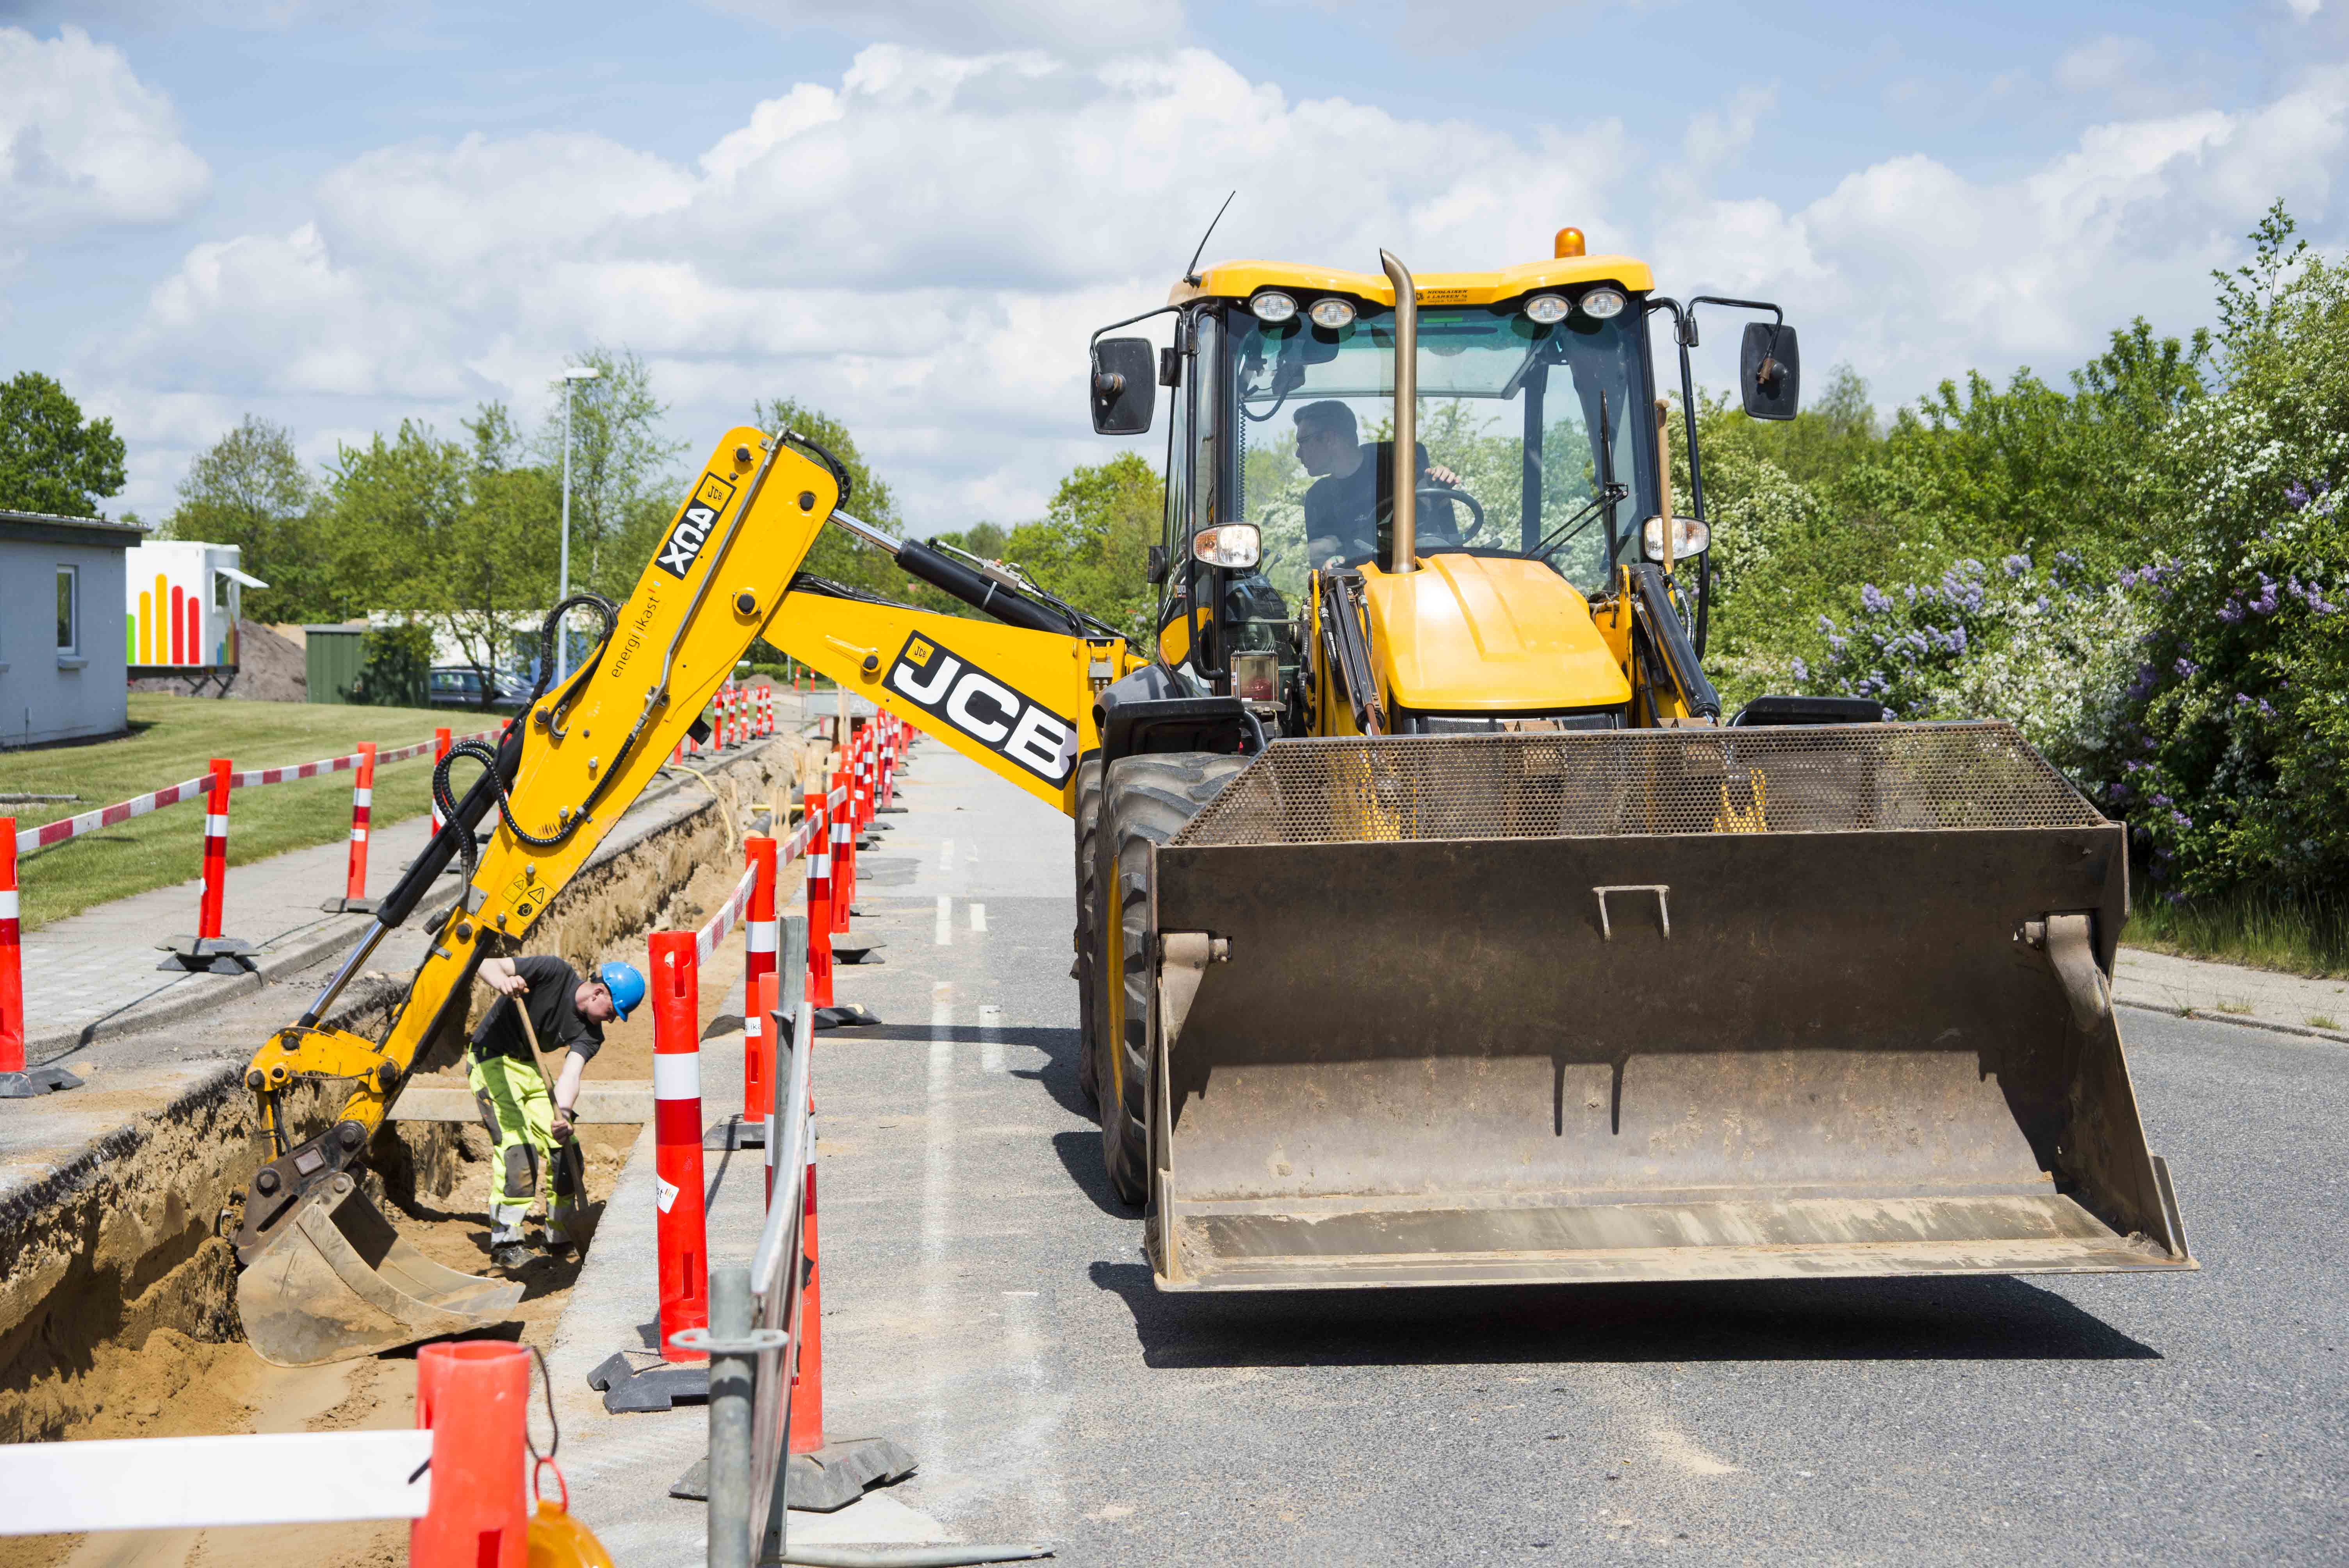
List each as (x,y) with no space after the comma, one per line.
(661,1387)
(824,1481)
(34,1082)
(863,953)
(351,905)
(209,955)
(848,1018)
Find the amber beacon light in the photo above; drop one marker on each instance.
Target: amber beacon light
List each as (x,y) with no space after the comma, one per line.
(1569,243)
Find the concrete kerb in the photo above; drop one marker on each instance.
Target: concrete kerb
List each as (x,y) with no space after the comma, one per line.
(312,949)
(2243,1020)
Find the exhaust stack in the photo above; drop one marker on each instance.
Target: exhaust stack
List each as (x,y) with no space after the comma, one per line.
(1402,556)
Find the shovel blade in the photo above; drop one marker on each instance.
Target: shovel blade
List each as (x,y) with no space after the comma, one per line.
(337,1283)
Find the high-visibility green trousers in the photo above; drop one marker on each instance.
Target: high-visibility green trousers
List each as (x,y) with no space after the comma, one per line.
(518,1112)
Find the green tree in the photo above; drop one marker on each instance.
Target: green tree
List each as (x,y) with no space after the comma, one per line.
(395,510)
(250,490)
(834,554)
(1091,547)
(622,485)
(51,460)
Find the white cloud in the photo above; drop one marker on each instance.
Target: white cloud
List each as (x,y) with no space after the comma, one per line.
(1065,26)
(1913,271)
(83,142)
(921,247)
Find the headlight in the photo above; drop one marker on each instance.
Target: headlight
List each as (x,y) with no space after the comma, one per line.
(1272,307)
(1600,304)
(1689,537)
(1234,544)
(1549,309)
(1332,313)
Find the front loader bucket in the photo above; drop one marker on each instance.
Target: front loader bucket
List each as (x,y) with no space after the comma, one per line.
(338,1283)
(1671,1004)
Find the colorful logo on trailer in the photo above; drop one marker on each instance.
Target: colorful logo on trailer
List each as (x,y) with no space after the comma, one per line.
(183,599)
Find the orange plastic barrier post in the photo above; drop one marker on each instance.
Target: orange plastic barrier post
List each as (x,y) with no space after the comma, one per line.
(12,957)
(758,963)
(474,1395)
(819,897)
(843,851)
(681,1225)
(439,754)
(354,896)
(807,1361)
(760,1053)
(208,908)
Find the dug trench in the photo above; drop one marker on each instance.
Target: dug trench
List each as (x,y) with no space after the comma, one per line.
(118,1284)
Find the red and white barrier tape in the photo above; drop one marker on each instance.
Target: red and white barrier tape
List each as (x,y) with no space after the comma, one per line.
(705,940)
(59,832)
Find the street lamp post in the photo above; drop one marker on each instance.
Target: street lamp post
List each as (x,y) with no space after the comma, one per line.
(571,379)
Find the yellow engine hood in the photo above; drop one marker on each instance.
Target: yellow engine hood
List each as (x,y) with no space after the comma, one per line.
(1474,633)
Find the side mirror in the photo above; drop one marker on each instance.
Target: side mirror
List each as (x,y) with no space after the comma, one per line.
(1157,572)
(1125,387)
(1770,371)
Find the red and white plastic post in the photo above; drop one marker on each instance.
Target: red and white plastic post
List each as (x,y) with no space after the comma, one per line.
(807,1361)
(758,964)
(208,951)
(817,815)
(681,1225)
(844,850)
(354,900)
(439,754)
(17,1081)
(474,1395)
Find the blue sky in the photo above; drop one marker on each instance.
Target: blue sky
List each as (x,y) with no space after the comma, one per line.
(912,214)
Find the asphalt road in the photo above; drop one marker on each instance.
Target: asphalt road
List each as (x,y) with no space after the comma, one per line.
(985,1303)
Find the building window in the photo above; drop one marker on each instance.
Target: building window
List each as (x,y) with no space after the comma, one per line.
(68,610)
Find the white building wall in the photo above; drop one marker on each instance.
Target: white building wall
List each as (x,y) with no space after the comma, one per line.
(46,695)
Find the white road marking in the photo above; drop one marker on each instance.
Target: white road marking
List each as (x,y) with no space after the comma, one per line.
(946,855)
(937,1196)
(944,933)
(990,1036)
(1038,1413)
(978,917)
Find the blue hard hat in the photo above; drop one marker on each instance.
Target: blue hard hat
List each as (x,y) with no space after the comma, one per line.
(626,983)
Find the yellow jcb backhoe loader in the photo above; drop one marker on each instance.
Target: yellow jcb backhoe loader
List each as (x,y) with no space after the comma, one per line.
(1434,926)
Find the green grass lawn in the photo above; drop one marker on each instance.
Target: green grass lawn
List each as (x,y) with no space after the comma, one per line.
(2260,930)
(172,738)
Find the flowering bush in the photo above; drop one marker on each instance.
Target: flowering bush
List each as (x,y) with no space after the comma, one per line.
(2047,649)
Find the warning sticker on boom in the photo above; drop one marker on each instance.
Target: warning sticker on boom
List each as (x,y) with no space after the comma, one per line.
(989,711)
(692,531)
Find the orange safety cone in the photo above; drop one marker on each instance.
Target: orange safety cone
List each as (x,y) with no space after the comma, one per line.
(681,1225)
(759,1051)
(843,851)
(208,951)
(474,1395)
(807,1361)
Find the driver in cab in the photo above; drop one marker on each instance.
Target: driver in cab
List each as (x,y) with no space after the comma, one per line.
(1347,511)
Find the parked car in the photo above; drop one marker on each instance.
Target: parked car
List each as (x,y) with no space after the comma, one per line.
(462,686)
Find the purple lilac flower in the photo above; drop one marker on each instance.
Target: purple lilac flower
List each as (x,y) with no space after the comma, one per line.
(2016,566)
(1871,601)
(2186,668)
(2295,495)
(2232,610)
(2267,602)
(1802,670)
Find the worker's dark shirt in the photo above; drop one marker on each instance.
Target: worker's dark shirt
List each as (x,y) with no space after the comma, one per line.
(554,1001)
(1352,507)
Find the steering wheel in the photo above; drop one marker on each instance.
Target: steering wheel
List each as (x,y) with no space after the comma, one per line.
(1444,492)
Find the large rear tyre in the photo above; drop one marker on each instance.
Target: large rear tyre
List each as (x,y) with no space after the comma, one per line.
(1086,971)
(1148,801)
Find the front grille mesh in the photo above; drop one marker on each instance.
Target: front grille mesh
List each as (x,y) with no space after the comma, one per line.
(1875,778)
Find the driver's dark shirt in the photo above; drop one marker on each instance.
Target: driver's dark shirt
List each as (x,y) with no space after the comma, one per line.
(1350,506)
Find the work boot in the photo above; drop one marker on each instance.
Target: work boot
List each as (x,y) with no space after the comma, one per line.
(508,1247)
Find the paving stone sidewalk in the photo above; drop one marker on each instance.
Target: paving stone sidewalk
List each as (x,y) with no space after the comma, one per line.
(2194,987)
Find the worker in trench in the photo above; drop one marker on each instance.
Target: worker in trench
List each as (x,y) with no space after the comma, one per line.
(544,1005)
